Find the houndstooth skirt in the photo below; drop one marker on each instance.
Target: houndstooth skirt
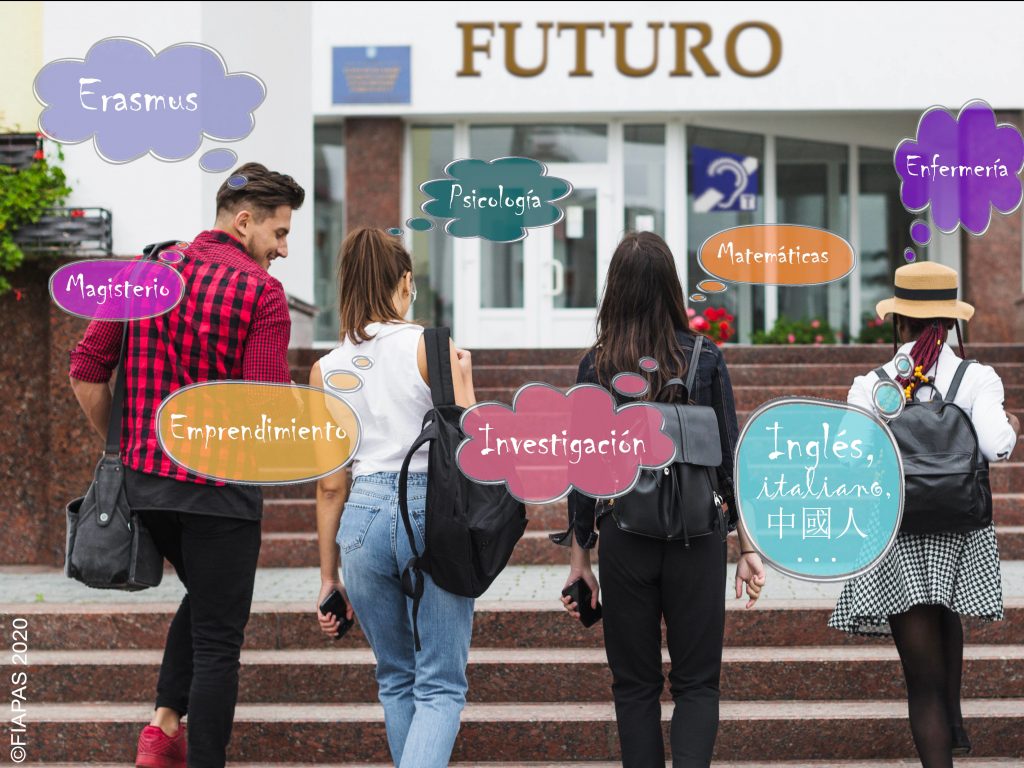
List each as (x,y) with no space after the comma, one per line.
(957,570)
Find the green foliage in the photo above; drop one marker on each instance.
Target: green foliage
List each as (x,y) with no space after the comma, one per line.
(25,195)
(786,331)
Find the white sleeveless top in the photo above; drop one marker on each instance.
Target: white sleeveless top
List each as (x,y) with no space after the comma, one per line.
(393,397)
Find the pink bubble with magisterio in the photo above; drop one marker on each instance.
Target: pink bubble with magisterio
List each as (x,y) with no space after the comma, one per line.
(550,442)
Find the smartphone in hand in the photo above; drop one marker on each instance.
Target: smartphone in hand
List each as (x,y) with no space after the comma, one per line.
(580,594)
(335,603)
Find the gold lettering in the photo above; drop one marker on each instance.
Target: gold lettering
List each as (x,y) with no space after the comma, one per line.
(697,50)
(470,48)
(581,28)
(621,27)
(510,49)
(773,38)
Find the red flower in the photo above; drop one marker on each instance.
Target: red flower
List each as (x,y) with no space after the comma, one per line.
(711,314)
(723,327)
(699,323)
(77,213)
(39,135)
(729,317)
(39,155)
(725,334)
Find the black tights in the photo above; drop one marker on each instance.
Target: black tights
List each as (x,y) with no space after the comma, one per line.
(930,641)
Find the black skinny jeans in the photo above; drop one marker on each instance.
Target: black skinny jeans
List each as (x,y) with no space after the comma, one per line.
(215,558)
(643,579)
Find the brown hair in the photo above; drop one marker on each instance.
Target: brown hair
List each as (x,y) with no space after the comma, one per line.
(641,311)
(262,192)
(372,264)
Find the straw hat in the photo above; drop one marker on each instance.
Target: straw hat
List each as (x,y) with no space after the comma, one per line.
(926,289)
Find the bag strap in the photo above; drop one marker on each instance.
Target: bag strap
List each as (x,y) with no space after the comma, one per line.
(957,378)
(113,446)
(691,375)
(412,574)
(882,374)
(439,371)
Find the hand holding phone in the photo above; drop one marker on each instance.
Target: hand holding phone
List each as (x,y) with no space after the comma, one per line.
(579,593)
(335,604)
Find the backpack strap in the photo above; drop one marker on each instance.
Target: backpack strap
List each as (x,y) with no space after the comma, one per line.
(439,371)
(882,374)
(412,574)
(957,378)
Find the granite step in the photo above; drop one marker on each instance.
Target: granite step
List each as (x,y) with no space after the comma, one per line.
(966,762)
(514,675)
(299,549)
(774,623)
(1005,477)
(749,730)
(299,515)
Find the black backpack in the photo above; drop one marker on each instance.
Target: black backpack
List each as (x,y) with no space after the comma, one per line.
(471,528)
(946,486)
(679,501)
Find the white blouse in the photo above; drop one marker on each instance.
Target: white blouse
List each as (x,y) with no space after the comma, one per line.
(980,396)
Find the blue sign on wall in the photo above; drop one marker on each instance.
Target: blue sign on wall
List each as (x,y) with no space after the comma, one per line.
(723,181)
(371,75)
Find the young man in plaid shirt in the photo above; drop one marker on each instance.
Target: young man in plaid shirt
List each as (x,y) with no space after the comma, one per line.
(232,323)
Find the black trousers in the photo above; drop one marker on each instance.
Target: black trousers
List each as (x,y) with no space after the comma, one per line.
(643,579)
(215,558)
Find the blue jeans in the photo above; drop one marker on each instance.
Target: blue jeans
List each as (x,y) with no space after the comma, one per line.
(423,693)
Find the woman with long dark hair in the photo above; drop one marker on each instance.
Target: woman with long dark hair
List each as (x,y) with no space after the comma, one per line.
(926,582)
(644,579)
(423,692)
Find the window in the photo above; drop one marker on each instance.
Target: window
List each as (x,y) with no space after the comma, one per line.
(328,222)
(547,143)
(432,256)
(645,178)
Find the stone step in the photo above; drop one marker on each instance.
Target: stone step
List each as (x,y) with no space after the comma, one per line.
(749,730)
(735,354)
(749,398)
(1005,477)
(966,762)
(775,623)
(299,515)
(523,675)
(299,550)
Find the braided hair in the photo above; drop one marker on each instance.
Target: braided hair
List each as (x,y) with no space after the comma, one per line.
(931,335)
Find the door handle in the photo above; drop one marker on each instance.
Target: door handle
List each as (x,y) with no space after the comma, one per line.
(558,278)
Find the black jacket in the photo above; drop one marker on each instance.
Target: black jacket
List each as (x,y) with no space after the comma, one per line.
(712,388)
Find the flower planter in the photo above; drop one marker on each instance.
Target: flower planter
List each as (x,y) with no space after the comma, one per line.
(70,231)
(18,150)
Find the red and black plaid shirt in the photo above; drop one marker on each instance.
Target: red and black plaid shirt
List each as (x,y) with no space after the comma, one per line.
(232,323)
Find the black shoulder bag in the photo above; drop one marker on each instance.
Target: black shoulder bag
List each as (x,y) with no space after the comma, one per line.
(108,547)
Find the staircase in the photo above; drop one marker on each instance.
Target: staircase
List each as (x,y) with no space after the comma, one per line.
(794,693)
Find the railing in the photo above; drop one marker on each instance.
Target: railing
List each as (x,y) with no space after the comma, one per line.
(69,231)
(18,150)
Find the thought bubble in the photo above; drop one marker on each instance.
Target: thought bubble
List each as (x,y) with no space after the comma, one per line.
(497,200)
(819,487)
(549,442)
(116,289)
(777,254)
(257,433)
(132,101)
(962,167)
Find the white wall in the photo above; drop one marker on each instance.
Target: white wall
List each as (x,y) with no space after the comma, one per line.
(153,200)
(835,56)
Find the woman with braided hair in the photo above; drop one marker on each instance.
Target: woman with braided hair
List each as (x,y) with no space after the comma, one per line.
(919,590)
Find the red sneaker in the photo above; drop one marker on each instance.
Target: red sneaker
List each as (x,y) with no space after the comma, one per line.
(158,750)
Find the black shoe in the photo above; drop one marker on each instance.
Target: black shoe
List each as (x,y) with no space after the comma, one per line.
(961,744)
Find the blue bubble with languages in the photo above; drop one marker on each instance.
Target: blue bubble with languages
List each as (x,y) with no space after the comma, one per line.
(819,487)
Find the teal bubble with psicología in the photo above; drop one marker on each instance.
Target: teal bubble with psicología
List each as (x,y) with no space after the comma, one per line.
(498,200)
(819,487)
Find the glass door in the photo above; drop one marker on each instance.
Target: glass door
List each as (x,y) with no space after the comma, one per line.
(543,290)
